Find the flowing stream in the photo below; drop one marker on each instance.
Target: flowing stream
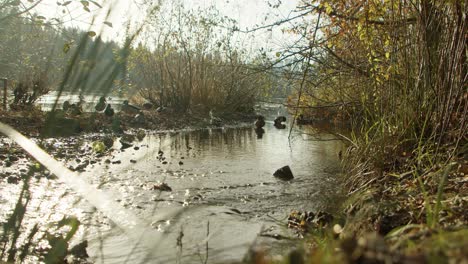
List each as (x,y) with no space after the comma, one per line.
(223,199)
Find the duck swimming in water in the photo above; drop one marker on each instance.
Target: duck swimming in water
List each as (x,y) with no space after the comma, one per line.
(279,122)
(260,122)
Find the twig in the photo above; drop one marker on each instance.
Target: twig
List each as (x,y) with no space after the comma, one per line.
(306,70)
(207,236)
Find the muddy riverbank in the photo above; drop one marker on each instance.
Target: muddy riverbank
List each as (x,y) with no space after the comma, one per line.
(35,123)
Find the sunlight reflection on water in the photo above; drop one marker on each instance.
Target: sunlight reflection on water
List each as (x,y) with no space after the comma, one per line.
(223,176)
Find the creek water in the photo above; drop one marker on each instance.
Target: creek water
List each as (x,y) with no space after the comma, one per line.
(47,101)
(223,196)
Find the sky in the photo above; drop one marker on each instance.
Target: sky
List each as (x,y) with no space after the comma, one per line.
(248,13)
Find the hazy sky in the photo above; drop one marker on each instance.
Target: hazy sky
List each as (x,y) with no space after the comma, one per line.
(247,12)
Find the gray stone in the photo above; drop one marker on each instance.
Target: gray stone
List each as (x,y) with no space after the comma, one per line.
(284,173)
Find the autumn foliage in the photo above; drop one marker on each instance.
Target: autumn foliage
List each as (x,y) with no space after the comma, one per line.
(397,68)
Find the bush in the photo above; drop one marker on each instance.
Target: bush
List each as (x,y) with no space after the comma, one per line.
(29,89)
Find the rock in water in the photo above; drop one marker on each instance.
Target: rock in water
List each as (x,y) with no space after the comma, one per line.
(108,142)
(125,144)
(284,173)
(141,134)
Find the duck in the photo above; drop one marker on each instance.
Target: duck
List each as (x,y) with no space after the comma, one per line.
(148,106)
(75,109)
(101,105)
(161,109)
(66,106)
(109,111)
(130,109)
(260,122)
(216,121)
(279,122)
(139,118)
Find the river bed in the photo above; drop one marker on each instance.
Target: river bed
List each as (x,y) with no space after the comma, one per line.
(223,196)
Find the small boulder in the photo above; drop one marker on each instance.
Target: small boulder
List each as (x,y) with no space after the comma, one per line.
(284,173)
(125,144)
(163,187)
(141,134)
(108,142)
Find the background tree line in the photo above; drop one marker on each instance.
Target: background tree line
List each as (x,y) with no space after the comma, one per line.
(184,59)
(396,69)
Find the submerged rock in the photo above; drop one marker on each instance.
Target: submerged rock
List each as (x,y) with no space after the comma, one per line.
(163,187)
(125,144)
(79,250)
(284,173)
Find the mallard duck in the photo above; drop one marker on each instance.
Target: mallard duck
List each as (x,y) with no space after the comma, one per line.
(66,106)
(260,122)
(129,109)
(101,105)
(109,111)
(148,106)
(75,109)
(139,118)
(278,122)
